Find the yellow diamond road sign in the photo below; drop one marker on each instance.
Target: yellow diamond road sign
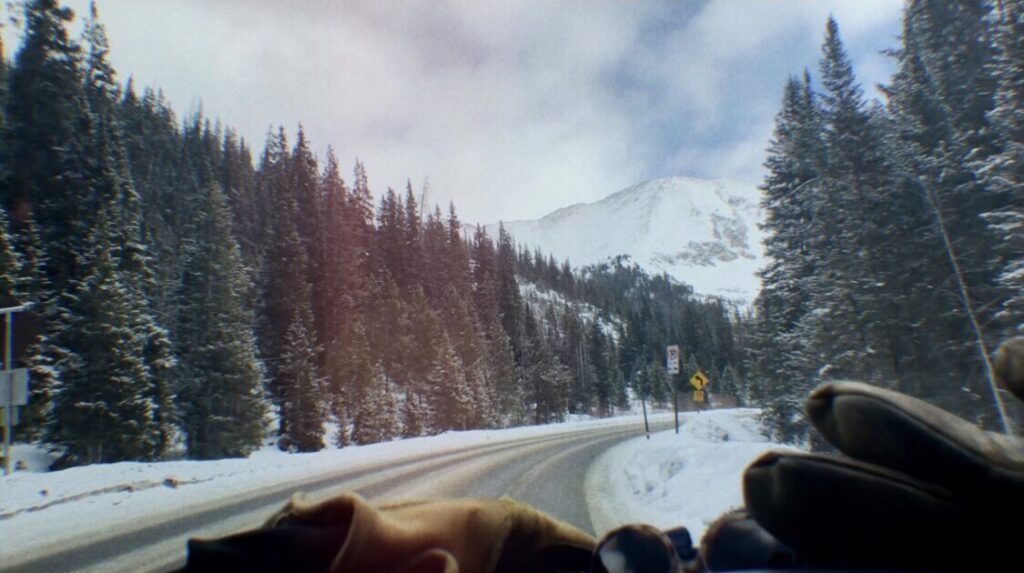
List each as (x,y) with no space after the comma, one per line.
(699,381)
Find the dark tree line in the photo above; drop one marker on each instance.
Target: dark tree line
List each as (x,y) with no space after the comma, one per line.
(194,297)
(631,318)
(894,228)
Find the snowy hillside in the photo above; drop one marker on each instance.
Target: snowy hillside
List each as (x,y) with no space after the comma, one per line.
(700,232)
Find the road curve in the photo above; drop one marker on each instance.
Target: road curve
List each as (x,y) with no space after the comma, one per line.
(546,471)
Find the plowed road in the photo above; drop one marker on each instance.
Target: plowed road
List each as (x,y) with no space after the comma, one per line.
(546,471)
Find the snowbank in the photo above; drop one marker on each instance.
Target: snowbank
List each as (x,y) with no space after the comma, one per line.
(670,480)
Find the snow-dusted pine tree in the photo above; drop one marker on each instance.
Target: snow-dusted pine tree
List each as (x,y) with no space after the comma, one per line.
(103,408)
(302,407)
(376,418)
(221,391)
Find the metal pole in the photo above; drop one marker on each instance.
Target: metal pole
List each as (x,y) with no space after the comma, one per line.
(9,410)
(675,401)
(647,427)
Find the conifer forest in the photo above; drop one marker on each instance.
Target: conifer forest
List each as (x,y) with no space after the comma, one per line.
(196,295)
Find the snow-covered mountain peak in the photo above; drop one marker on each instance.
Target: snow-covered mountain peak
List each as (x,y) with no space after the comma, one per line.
(701,232)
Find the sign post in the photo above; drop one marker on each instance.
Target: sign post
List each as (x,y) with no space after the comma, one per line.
(641,382)
(14,387)
(672,365)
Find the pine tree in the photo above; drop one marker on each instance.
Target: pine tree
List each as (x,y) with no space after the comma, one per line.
(457,262)
(437,272)
(10,267)
(32,286)
(620,398)
(376,418)
(509,400)
(1004,170)
(221,396)
(391,237)
(508,298)
(350,370)
(412,240)
(413,415)
(111,179)
(794,240)
(598,362)
(286,318)
(448,392)
(333,302)
(47,134)
(659,383)
(302,407)
(851,283)
(466,336)
(103,406)
(939,100)
(546,380)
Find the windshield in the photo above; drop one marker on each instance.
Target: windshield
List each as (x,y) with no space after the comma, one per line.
(592,256)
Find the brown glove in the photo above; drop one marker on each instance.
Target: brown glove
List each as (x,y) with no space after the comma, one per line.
(916,489)
(346,534)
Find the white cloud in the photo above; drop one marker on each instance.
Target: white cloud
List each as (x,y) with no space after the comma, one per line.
(512,109)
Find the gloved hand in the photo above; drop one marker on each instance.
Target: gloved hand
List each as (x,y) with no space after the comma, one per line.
(917,489)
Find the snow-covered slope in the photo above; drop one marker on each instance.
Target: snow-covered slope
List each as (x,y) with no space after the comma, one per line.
(700,232)
(671,480)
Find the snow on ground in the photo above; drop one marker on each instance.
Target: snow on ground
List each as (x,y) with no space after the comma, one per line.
(38,507)
(670,480)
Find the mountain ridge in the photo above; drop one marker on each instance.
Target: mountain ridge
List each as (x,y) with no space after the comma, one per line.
(701,232)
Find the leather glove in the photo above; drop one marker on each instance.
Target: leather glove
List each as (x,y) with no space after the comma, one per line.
(916,489)
(347,534)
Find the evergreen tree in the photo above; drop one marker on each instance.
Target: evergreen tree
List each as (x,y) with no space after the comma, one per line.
(46,137)
(617,382)
(1004,170)
(509,301)
(449,394)
(598,362)
(287,330)
(111,179)
(333,301)
(10,267)
(350,369)
(509,399)
(437,271)
(546,380)
(221,395)
(302,408)
(658,380)
(794,224)
(103,407)
(28,283)
(851,283)
(376,418)
(939,100)
(412,240)
(457,259)
(413,415)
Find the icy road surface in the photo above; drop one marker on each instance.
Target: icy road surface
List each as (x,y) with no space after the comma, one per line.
(594,474)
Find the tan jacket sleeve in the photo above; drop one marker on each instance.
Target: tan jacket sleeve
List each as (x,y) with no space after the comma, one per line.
(424,536)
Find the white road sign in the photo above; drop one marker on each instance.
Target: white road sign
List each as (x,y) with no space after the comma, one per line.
(672,359)
(19,379)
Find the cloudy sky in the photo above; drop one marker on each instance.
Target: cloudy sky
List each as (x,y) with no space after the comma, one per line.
(509,109)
